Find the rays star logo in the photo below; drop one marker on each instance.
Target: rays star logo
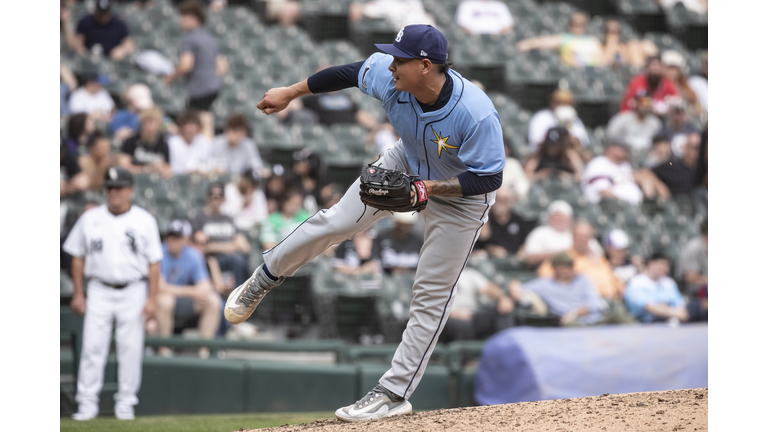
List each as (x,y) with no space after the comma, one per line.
(442,143)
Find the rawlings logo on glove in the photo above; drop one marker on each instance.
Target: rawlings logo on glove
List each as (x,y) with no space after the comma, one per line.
(390,190)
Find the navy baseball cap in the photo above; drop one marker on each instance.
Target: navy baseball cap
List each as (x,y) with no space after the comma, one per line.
(117,176)
(421,41)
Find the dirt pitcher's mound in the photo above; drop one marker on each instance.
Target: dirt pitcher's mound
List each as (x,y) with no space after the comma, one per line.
(676,410)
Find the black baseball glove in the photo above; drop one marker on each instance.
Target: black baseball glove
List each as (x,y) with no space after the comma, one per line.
(390,190)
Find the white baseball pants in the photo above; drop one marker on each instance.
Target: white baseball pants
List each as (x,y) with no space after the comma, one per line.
(105,305)
(452,225)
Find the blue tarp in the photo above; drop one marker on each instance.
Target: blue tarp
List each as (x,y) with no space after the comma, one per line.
(530,364)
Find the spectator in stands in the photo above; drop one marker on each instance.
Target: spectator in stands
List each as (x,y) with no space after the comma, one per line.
(546,241)
(697,6)
(506,230)
(234,151)
(555,157)
(652,296)
(692,265)
(67,84)
(221,283)
(200,63)
(104,29)
(307,169)
(331,194)
(229,247)
(92,99)
(245,202)
(398,13)
(148,150)
(397,250)
(699,83)
(653,82)
(514,175)
(355,256)
(674,69)
(588,262)
(660,152)
(284,12)
(635,128)
(480,309)
(617,252)
(561,112)
(79,130)
(679,175)
(679,129)
(611,176)
(125,122)
(484,17)
(281,223)
(72,179)
(569,295)
(189,150)
(186,294)
(577,48)
(631,53)
(275,188)
(97,160)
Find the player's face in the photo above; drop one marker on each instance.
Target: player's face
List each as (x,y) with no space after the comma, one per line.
(406,72)
(119,198)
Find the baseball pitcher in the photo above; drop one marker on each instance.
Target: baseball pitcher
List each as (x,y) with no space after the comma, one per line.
(447,166)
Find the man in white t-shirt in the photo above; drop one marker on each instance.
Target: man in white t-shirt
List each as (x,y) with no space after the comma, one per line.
(92,99)
(190,151)
(560,113)
(611,176)
(545,241)
(484,17)
(116,246)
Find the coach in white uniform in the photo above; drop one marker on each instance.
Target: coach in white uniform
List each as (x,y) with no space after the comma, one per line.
(117,247)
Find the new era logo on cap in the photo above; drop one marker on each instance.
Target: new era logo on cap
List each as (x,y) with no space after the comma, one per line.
(418,41)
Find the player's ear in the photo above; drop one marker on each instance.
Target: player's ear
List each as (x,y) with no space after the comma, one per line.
(426,66)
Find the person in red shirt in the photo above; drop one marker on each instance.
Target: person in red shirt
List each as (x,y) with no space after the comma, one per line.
(655,83)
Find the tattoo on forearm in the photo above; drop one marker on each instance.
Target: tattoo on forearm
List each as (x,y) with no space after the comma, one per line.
(449,187)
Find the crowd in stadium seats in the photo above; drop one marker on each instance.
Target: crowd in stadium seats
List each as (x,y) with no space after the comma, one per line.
(606,154)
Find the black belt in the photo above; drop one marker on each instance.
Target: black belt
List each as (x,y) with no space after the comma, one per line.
(120,285)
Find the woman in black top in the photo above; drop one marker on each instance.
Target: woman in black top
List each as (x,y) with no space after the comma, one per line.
(555,158)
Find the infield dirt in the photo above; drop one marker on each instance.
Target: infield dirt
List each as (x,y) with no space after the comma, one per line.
(675,410)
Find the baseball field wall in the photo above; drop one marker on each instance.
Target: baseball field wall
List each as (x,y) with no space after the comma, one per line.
(517,365)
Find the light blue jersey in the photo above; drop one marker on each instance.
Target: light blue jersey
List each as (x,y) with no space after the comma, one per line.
(464,135)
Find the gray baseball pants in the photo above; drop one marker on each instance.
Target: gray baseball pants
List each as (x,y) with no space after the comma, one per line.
(452,225)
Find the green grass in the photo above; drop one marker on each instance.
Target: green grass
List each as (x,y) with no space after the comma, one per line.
(191,423)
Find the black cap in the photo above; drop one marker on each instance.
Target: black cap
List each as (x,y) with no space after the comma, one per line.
(103,5)
(179,228)
(556,135)
(118,177)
